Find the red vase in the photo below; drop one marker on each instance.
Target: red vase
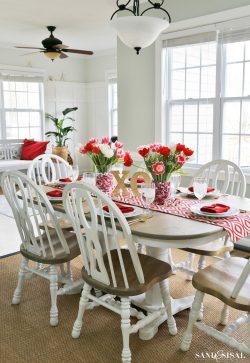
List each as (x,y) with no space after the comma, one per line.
(162,192)
(104,182)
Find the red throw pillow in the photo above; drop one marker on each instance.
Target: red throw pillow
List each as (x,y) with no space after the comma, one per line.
(31,149)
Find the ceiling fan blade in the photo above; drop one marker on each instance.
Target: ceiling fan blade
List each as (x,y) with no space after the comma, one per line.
(60,46)
(31,53)
(78,51)
(30,48)
(62,55)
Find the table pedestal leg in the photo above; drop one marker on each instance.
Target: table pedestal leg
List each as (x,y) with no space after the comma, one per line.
(152,300)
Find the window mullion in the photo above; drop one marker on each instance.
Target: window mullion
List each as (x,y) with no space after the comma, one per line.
(218,114)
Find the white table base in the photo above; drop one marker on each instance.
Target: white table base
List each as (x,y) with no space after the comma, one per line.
(152,301)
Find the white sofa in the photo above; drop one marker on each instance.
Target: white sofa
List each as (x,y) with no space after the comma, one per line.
(10,151)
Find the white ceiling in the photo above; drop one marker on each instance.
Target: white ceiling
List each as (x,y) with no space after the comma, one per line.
(82,24)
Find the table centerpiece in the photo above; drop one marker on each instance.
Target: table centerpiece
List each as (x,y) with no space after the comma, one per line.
(104,154)
(162,161)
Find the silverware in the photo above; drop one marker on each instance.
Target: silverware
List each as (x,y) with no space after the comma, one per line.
(140,219)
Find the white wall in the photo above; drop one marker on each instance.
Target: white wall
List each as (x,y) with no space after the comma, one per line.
(97,66)
(70,69)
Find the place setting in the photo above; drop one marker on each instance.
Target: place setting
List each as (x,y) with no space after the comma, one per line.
(200,190)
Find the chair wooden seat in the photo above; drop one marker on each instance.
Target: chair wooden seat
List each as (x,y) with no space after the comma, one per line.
(154,271)
(61,255)
(64,224)
(229,281)
(219,280)
(216,248)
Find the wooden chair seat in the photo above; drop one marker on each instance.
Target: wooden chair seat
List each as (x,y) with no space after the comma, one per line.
(61,255)
(64,224)
(215,248)
(219,280)
(154,271)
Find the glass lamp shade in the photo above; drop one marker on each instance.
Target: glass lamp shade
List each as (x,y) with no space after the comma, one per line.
(52,55)
(138,31)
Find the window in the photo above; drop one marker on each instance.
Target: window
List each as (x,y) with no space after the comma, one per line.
(208,98)
(21,109)
(113,114)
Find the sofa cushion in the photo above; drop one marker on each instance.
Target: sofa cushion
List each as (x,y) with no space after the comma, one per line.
(31,149)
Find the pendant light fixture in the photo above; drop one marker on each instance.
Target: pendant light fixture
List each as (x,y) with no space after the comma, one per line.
(138,30)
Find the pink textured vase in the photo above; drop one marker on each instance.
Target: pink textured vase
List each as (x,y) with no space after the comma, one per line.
(104,182)
(162,192)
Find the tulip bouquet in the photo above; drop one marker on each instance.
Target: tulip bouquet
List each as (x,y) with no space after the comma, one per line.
(161,161)
(104,154)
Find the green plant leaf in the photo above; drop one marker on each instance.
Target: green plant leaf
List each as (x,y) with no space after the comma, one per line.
(52,133)
(68,110)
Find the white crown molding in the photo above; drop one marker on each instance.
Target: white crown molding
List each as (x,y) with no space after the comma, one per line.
(222,16)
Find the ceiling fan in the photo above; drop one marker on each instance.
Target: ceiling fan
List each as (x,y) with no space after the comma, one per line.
(53,47)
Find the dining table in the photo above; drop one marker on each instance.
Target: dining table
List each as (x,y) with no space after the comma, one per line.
(165,231)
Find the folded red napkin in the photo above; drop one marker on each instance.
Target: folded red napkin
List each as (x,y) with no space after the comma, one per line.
(55,193)
(215,208)
(123,208)
(68,180)
(209,190)
(140,179)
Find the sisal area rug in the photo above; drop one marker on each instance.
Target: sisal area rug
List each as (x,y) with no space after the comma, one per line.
(26,336)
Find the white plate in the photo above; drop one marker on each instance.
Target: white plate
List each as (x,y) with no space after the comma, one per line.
(215,193)
(136,212)
(127,183)
(64,183)
(55,199)
(230,213)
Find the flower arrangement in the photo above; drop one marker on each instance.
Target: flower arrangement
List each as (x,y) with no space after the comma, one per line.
(104,154)
(161,161)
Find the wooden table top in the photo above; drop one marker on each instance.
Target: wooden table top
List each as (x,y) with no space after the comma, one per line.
(164,226)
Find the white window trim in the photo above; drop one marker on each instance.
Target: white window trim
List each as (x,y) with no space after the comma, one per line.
(217,21)
(109,74)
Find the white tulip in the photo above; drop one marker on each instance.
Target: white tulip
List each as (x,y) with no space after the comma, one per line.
(107,151)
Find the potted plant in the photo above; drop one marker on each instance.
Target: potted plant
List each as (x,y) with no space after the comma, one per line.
(61,133)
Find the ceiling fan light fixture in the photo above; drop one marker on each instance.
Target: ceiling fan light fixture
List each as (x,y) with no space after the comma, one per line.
(52,55)
(137,30)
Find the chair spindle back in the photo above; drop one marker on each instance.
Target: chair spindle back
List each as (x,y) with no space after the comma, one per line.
(48,168)
(225,176)
(101,234)
(31,207)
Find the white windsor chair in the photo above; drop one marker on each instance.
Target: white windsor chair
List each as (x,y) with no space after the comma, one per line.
(48,168)
(47,247)
(227,177)
(233,289)
(111,269)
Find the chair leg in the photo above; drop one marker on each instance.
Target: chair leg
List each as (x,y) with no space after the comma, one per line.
(53,295)
(125,327)
(224,315)
(164,286)
(193,316)
(248,328)
(171,261)
(82,307)
(190,263)
(201,266)
(202,262)
(69,271)
(21,277)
